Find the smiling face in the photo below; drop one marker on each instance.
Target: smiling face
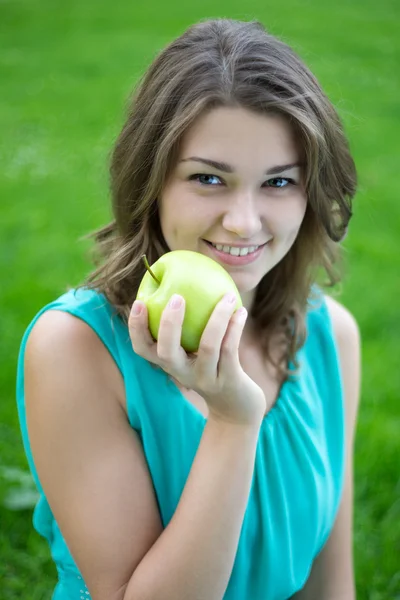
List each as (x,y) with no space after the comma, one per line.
(253,197)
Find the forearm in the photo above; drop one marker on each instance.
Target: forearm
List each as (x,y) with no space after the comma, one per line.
(193,558)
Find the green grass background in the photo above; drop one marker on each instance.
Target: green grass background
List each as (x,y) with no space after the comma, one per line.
(66,69)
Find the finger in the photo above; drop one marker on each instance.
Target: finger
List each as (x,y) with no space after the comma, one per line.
(169,349)
(141,338)
(210,343)
(229,353)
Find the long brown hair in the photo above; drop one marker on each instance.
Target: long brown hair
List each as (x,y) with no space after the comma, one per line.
(224,62)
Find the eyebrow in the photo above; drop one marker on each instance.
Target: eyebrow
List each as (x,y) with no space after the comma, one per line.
(225,168)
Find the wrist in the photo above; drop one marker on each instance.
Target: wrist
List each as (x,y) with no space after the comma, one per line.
(226,423)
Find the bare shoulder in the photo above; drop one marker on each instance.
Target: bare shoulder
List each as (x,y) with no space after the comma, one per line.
(60,340)
(343,321)
(57,330)
(348,339)
(55,326)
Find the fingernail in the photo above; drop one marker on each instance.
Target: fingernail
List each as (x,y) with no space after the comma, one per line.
(137,308)
(230,298)
(176,301)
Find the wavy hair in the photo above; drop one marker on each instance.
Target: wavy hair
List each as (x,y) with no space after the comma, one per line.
(229,63)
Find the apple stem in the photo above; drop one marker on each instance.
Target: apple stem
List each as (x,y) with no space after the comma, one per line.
(149,269)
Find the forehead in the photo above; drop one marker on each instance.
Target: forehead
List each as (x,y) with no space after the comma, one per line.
(238,134)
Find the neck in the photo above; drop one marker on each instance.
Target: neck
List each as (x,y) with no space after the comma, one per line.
(248,299)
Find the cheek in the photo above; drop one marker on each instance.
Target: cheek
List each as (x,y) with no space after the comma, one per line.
(293,213)
(287,220)
(170,209)
(180,219)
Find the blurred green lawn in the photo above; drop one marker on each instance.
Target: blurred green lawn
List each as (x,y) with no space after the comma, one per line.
(66,70)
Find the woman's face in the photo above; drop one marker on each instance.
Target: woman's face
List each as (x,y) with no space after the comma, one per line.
(255,198)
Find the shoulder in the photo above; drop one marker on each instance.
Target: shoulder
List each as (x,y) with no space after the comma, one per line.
(348,340)
(54,323)
(57,334)
(63,345)
(344,323)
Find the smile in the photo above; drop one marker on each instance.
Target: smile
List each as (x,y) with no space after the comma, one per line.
(235,250)
(235,255)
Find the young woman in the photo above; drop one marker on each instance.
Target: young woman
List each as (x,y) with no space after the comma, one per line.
(225,474)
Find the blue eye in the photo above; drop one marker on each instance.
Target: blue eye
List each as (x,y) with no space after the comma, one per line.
(198,175)
(275,182)
(279,182)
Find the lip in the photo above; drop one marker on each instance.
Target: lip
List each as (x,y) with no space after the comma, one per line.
(228,259)
(234,245)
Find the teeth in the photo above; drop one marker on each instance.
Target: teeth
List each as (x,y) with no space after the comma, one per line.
(235,251)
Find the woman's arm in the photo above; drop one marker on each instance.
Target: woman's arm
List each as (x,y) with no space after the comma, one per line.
(332,576)
(94,474)
(193,558)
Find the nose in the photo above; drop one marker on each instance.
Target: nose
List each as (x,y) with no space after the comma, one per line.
(242,217)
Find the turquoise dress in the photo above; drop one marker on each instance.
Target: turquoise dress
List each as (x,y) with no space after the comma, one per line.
(299,467)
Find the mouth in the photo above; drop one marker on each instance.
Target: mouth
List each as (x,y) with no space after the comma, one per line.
(235,255)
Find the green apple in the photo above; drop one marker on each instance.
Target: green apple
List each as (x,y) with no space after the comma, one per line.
(200,280)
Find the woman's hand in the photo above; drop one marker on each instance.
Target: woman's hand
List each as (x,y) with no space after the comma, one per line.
(214,371)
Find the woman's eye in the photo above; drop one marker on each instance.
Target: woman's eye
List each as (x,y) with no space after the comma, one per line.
(279,182)
(275,182)
(205,178)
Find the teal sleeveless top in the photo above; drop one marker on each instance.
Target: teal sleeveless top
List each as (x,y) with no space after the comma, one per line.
(299,467)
